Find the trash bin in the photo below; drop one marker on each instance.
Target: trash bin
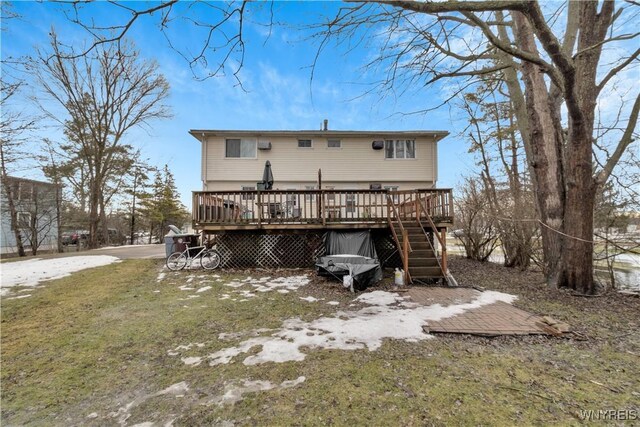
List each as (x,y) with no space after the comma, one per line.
(177,242)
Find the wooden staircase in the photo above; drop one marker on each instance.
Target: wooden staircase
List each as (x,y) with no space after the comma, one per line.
(412,236)
(422,261)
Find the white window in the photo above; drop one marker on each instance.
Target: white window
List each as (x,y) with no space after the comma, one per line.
(309,196)
(248,196)
(395,197)
(331,196)
(240,148)
(351,203)
(305,143)
(24,219)
(334,143)
(400,149)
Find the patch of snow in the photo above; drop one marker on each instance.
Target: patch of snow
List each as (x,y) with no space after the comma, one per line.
(92,415)
(233,393)
(161,276)
(31,272)
(309,299)
(124,412)
(283,291)
(157,291)
(379,298)
(195,361)
(267,284)
(185,288)
(20,297)
(193,296)
(224,296)
(350,330)
(203,289)
(333,303)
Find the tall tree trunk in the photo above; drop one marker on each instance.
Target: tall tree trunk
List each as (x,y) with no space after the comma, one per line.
(94,215)
(546,160)
(103,222)
(59,245)
(13,212)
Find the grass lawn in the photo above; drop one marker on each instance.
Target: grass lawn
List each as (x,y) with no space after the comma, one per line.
(102,347)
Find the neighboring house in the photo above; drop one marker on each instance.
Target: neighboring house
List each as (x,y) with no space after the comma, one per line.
(395,160)
(35,203)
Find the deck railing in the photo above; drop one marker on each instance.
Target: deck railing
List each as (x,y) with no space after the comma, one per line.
(318,206)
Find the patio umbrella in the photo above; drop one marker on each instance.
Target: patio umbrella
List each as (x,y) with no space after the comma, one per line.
(267,176)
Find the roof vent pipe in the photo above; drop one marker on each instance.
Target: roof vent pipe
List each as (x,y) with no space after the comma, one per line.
(325,125)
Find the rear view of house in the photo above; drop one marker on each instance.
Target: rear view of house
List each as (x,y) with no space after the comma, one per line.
(322,180)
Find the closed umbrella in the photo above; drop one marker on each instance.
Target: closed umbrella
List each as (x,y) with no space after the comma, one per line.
(267,176)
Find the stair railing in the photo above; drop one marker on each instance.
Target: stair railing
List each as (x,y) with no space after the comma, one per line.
(441,240)
(405,248)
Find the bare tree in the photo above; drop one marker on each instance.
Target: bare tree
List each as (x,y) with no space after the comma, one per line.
(545,69)
(105,94)
(478,230)
(13,130)
(494,138)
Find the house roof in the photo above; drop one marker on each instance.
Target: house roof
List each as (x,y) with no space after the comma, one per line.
(436,134)
(32,181)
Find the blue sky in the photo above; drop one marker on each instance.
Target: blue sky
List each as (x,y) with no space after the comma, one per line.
(277,90)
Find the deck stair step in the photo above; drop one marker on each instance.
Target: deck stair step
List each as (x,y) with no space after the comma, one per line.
(425,272)
(421,252)
(423,262)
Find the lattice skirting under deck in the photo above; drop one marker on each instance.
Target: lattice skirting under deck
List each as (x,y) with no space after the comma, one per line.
(241,249)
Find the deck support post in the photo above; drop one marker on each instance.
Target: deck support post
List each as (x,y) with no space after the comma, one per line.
(259,203)
(323,210)
(405,257)
(443,234)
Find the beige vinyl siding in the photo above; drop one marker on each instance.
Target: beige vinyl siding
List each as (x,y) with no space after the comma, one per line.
(301,185)
(354,162)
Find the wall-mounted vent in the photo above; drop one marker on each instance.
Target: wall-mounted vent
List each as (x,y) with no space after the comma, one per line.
(377,145)
(264,145)
(375,186)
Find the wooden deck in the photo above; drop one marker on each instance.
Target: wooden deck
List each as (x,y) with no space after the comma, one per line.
(317,209)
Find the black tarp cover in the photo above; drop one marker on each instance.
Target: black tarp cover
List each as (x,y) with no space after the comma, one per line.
(352,253)
(350,243)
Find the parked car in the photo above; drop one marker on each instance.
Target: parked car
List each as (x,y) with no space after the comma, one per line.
(73,237)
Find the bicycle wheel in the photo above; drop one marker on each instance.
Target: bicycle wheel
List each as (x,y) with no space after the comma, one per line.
(210,260)
(176,261)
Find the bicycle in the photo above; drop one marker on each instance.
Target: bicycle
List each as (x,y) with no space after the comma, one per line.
(209,258)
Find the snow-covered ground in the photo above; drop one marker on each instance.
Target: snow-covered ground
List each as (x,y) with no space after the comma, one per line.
(31,272)
(387,315)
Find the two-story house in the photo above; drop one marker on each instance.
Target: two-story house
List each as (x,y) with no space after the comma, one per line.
(382,181)
(35,203)
(393,160)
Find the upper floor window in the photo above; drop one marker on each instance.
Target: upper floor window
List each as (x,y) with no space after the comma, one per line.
(334,143)
(240,148)
(249,196)
(305,143)
(400,149)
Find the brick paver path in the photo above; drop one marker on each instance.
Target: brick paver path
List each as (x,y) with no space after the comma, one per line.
(498,318)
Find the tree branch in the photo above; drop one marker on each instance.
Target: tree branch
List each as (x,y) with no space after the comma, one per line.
(625,141)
